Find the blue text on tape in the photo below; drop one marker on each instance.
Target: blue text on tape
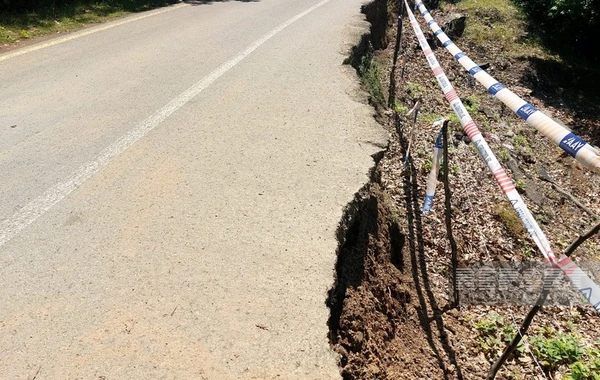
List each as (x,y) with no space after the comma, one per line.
(495,88)
(526,110)
(571,144)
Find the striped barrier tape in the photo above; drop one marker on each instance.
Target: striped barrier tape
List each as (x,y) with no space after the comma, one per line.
(572,144)
(585,285)
(435,169)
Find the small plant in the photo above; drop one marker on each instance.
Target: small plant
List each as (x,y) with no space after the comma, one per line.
(414,89)
(495,332)
(428,117)
(454,169)
(581,370)
(527,252)
(370,73)
(520,186)
(400,108)
(472,104)
(427,165)
(557,350)
(453,119)
(520,141)
(504,155)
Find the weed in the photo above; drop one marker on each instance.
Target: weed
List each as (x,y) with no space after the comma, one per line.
(454,169)
(527,252)
(428,117)
(494,333)
(504,155)
(557,350)
(520,186)
(453,119)
(415,90)
(371,76)
(520,141)
(427,165)
(400,108)
(472,104)
(590,371)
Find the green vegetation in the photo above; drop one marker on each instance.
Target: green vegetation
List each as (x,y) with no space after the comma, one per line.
(428,117)
(495,332)
(553,350)
(570,350)
(400,108)
(556,350)
(497,21)
(565,25)
(427,165)
(527,252)
(370,73)
(415,90)
(472,104)
(504,155)
(520,141)
(28,19)
(520,186)
(453,119)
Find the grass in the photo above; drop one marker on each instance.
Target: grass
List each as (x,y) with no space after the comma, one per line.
(429,117)
(472,104)
(371,73)
(520,141)
(499,22)
(16,26)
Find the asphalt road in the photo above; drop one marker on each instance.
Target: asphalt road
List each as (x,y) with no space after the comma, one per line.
(171,184)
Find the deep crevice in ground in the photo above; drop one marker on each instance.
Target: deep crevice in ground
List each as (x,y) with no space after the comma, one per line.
(391,317)
(381,296)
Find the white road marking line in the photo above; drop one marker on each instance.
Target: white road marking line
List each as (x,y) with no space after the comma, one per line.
(10,227)
(87,32)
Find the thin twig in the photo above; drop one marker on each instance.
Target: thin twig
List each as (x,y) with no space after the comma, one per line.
(574,200)
(569,195)
(37,373)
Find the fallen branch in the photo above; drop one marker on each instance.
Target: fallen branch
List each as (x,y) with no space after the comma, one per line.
(574,200)
(570,196)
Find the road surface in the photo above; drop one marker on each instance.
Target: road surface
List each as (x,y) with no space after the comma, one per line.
(171,184)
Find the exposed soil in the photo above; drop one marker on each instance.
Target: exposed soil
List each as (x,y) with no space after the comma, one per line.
(391,312)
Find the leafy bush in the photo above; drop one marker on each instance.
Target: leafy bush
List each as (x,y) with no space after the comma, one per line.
(558,350)
(565,23)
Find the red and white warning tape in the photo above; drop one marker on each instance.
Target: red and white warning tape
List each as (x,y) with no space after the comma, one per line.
(572,144)
(578,278)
